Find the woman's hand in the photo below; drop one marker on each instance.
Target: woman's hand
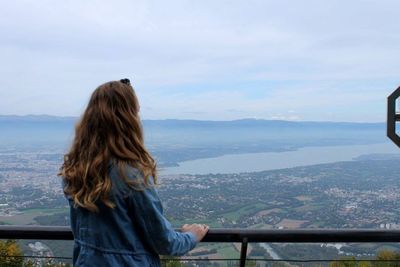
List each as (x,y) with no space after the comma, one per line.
(199,230)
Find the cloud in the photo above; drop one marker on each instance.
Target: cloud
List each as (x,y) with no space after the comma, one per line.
(201,58)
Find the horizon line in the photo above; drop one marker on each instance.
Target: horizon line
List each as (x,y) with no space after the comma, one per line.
(204,120)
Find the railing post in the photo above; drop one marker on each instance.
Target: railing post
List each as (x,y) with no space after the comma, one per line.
(243,252)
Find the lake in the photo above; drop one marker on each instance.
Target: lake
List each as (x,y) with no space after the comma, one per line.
(251,162)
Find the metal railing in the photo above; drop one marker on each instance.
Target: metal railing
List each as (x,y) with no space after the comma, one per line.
(243,236)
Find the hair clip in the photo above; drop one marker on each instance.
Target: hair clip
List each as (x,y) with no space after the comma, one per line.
(125,81)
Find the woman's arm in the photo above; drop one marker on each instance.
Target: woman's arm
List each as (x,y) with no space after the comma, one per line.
(155,228)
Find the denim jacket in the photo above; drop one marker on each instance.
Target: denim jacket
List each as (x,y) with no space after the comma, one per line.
(134,233)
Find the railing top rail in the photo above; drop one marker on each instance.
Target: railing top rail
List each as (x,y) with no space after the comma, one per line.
(228,235)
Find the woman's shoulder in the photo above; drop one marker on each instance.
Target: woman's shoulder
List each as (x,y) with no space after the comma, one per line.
(126,177)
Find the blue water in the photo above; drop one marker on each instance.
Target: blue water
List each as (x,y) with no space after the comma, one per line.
(251,162)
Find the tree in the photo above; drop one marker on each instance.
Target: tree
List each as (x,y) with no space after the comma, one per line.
(365,264)
(10,254)
(344,262)
(387,258)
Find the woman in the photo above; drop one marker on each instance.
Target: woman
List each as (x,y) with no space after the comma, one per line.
(109,178)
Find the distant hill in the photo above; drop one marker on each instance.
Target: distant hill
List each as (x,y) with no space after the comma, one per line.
(48,119)
(176,140)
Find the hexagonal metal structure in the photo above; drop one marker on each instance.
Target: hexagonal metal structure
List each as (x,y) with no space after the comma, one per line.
(393,117)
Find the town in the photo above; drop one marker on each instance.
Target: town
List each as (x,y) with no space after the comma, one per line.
(352,194)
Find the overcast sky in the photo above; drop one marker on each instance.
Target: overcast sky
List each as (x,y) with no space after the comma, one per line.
(297,60)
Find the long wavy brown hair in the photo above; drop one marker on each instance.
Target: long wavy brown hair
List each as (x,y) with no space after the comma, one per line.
(109,132)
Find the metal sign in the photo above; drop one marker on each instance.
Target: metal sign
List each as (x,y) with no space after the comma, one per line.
(393,117)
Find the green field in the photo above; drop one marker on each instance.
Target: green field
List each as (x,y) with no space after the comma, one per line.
(28,216)
(245,210)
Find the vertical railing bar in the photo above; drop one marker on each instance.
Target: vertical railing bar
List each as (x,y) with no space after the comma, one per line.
(243,252)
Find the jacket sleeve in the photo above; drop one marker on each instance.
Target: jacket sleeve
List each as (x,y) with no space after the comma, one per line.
(155,228)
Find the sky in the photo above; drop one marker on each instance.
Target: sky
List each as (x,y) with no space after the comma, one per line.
(309,60)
